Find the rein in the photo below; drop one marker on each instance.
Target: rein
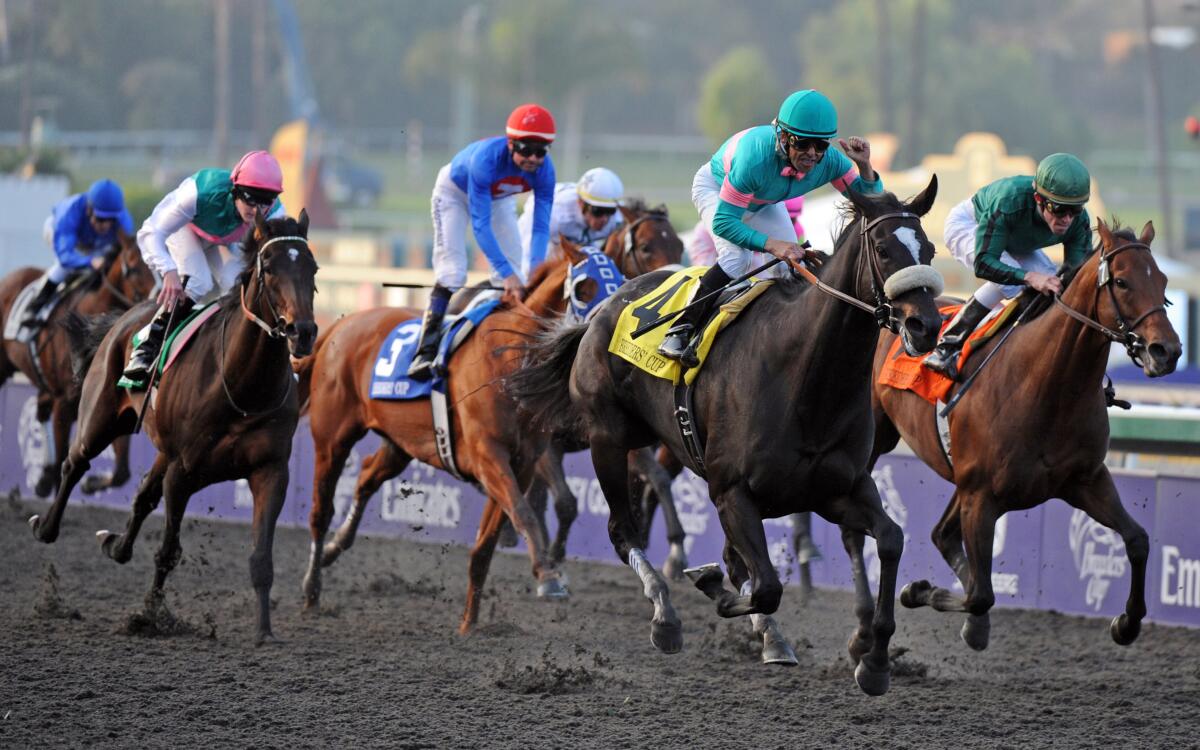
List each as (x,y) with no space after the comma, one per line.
(1125,332)
(275,332)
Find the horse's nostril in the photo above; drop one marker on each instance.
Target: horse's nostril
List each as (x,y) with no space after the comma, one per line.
(1158,352)
(915,326)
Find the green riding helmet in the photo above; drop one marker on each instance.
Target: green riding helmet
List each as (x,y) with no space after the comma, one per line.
(808,113)
(1063,179)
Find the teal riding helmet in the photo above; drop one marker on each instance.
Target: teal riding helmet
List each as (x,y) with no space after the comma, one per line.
(1063,179)
(809,114)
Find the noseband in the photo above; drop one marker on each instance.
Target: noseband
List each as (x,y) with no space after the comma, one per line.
(1125,333)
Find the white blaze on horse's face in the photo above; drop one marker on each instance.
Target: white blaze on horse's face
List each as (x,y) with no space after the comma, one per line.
(293,253)
(908,237)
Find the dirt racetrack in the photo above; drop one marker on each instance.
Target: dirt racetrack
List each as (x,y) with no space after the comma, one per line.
(383,667)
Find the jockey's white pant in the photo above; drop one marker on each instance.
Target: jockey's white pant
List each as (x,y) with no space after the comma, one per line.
(960,238)
(451,217)
(204,263)
(771,220)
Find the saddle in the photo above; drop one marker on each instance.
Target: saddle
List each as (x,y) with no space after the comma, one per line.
(389,378)
(907,373)
(13,328)
(671,295)
(175,343)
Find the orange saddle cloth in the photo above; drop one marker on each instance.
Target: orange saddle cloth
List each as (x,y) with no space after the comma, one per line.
(906,372)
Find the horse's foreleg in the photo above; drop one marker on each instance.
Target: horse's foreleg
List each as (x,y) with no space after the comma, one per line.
(62,416)
(377,468)
(612,471)
(566,507)
(744,535)
(804,549)
(177,490)
(120,546)
(861,639)
(1097,496)
(120,473)
(864,513)
(269,485)
(480,560)
(330,457)
(91,440)
(776,649)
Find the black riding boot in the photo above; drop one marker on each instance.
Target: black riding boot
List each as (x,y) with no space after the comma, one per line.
(680,341)
(431,335)
(944,358)
(144,356)
(38,302)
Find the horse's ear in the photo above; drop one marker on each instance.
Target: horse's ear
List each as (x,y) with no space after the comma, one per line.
(858,200)
(1104,232)
(921,204)
(571,250)
(260,225)
(627,213)
(304,222)
(1147,233)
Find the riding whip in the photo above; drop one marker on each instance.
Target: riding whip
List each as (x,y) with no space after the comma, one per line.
(967,383)
(647,327)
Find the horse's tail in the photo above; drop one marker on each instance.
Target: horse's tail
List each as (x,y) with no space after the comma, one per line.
(85,335)
(541,386)
(304,372)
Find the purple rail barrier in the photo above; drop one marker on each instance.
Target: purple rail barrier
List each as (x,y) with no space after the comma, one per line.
(1051,557)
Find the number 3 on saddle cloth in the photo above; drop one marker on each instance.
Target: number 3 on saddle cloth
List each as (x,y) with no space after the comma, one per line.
(389,380)
(669,296)
(176,342)
(906,373)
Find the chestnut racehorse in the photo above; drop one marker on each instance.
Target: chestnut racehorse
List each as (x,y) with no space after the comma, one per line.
(1034,425)
(123,281)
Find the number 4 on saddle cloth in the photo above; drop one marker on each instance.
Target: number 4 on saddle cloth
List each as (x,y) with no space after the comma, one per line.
(389,380)
(176,342)
(906,373)
(671,295)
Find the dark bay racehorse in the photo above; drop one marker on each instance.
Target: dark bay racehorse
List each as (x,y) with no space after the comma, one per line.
(1034,425)
(493,447)
(782,409)
(123,281)
(226,410)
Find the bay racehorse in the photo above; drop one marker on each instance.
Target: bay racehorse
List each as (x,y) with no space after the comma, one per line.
(121,282)
(1034,426)
(782,411)
(226,410)
(493,447)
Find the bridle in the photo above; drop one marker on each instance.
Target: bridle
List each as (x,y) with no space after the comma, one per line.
(277,331)
(630,243)
(1125,333)
(121,298)
(882,310)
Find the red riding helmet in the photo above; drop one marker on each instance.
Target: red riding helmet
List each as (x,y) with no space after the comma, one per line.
(530,122)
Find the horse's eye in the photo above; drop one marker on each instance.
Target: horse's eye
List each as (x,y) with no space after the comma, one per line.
(1120,283)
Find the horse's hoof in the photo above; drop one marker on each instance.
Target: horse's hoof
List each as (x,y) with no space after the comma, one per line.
(870,681)
(667,637)
(44,486)
(700,572)
(552,590)
(508,537)
(267,639)
(33,521)
(93,483)
(976,631)
(916,594)
(778,651)
(1124,630)
(40,532)
(673,568)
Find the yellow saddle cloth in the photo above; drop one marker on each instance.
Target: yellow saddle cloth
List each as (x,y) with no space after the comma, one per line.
(669,296)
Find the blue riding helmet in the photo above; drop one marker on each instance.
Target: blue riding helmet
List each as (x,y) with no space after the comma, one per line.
(105,199)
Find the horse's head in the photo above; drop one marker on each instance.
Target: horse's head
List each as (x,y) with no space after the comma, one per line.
(1136,291)
(126,275)
(282,280)
(645,242)
(893,271)
(591,278)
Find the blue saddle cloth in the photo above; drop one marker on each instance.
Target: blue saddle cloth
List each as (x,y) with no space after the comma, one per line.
(389,377)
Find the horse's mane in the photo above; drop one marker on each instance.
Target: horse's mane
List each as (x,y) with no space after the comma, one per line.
(539,274)
(1118,232)
(848,213)
(638,207)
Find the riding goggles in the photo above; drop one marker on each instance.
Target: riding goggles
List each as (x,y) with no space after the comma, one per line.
(1063,209)
(264,198)
(531,148)
(801,143)
(599,210)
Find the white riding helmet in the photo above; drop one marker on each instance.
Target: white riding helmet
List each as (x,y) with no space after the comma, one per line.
(600,187)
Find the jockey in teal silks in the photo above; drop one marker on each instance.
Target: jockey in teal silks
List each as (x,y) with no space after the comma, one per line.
(999,234)
(740,195)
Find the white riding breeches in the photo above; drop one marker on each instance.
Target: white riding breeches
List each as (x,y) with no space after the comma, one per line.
(771,220)
(204,262)
(960,238)
(451,217)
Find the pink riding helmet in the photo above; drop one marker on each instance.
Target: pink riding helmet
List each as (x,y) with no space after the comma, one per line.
(258,169)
